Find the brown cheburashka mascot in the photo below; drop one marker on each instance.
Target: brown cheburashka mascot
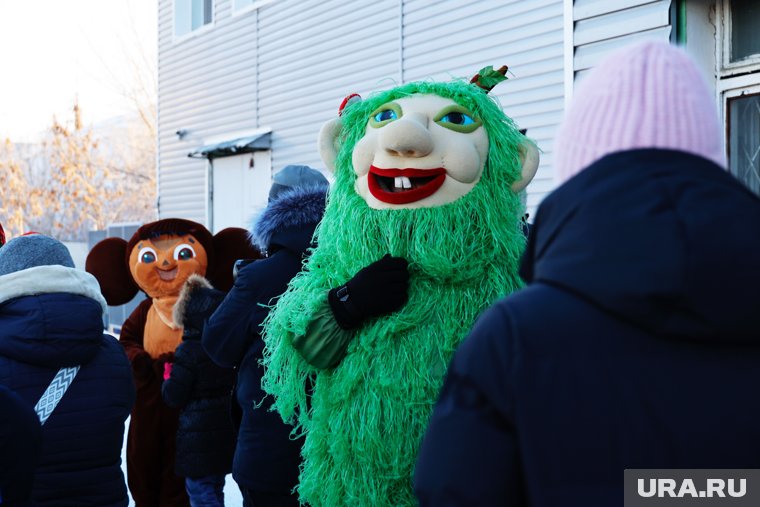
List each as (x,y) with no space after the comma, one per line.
(158,259)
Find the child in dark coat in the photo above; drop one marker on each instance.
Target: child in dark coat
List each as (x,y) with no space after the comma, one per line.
(203,392)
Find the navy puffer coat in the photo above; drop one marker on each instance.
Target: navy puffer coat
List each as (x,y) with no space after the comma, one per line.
(266,458)
(636,344)
(201,389)
(51,317)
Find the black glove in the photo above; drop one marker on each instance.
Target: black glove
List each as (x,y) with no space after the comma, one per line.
(199,307)
(379,289)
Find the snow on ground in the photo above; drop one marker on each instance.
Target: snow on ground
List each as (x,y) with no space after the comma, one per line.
(232,496)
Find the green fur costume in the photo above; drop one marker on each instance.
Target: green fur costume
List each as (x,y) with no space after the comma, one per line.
(365,418)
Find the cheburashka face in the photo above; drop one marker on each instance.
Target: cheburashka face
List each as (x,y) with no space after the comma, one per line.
(161,265)
(419,151)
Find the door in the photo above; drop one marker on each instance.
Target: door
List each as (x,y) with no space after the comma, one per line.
(239,189)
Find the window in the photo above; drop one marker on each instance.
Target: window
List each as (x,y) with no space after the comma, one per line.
(744,139)
(738,40)
(190,15)
(745,37)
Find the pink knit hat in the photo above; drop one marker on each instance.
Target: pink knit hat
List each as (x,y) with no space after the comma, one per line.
(650,95)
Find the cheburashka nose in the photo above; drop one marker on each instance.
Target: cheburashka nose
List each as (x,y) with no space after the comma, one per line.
(408,136)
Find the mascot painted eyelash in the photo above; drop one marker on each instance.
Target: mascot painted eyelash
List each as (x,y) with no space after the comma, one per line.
(420,234)
(158,259)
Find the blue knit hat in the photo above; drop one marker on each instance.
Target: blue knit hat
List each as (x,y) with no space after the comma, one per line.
(295,176)
(31,251)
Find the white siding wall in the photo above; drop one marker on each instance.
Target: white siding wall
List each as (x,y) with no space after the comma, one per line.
(311,55)
(207,86)
(288,65)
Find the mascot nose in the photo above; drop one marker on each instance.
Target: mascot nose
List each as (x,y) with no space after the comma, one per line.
(408,137)
(165,263)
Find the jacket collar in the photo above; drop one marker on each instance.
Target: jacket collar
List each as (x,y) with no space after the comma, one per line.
(48,280)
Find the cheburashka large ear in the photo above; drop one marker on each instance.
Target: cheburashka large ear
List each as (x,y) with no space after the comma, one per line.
(530,159)
(230,244)
(107,263)
(328,134)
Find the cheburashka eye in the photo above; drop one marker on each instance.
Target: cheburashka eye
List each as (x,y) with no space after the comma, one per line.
(183,252)
(458,119)
(146,255)
(385,114)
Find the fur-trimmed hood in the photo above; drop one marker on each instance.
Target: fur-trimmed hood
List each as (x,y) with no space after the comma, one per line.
(192,283)
(49,280)
(290,218)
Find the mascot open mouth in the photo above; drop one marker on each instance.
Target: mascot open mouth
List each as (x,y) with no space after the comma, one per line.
(167,275)
(402,186)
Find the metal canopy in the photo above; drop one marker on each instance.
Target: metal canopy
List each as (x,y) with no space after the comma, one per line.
(259,142)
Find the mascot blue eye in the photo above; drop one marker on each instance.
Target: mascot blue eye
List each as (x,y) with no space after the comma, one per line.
(457,118)
(146,255)
(184,252)
(384,115)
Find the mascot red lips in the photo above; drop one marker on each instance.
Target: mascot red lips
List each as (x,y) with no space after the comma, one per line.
(402,186)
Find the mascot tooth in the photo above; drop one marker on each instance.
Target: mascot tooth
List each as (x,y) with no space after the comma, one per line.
(428,172)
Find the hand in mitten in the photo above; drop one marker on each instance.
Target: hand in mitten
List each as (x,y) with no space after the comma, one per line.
(160,361)
(378,289)
(167,370)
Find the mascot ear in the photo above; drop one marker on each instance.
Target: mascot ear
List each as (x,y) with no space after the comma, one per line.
(529,158)
(328,134)
(107,263)
(328,149)
(230,244)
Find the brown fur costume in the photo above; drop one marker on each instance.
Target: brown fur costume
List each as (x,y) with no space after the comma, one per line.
(158,259)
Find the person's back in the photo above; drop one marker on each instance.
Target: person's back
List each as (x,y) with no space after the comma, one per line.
(51,318)
(266,457)
(635,345)
(202,391)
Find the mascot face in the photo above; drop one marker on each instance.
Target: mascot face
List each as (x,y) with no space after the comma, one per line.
(161,265)
(419,151)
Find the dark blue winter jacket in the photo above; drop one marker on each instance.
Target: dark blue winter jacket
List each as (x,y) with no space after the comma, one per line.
(266,458)
(20,439)
(635,345)
(80,460)
(201,389)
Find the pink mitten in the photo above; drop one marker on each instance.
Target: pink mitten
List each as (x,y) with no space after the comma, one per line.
(167,370)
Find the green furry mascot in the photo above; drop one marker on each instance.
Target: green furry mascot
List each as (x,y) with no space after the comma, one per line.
(357,348)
